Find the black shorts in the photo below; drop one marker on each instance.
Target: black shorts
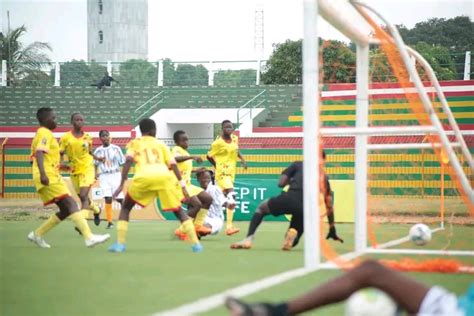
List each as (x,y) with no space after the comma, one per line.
(290,202)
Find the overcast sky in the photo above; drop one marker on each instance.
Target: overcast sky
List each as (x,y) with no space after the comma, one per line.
(191,30)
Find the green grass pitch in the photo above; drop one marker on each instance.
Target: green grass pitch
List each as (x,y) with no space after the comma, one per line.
(158,272)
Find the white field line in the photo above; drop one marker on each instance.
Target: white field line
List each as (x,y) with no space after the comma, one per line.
(205,304)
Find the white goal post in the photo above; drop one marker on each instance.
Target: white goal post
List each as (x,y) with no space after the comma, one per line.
(345,16)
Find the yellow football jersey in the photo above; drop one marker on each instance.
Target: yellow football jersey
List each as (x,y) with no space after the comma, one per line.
(225,155)
(152,157)
(44,141)
(77,150)
(185,167)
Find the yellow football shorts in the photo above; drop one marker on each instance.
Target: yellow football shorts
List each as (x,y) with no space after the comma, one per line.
(225,182)
(54,192)
(191,188)
(144,190)
(82,180)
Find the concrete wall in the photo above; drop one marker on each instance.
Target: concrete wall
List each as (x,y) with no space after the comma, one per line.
(124,24)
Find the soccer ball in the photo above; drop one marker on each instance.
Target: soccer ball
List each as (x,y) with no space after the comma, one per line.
(370,302)
(420,234)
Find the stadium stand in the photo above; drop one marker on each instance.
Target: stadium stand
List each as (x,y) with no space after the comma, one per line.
(415,169)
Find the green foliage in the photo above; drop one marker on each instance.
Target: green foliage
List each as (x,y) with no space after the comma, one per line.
(169,73)
(285,64)
(439,59)
(137,72)
(339,62)
(380,70)
(22,61)
(443,42)
(80,73)
(235,77)
(188,75)
(456,35)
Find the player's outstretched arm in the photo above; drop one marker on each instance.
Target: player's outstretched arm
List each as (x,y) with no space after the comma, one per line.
(211,160)
(368,274)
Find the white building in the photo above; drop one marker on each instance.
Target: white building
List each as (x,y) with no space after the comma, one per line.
(117,30)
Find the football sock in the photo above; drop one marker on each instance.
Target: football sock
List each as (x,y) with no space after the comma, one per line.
(47,225)
(229,217)
(81,224)
(200,217)
(85,213)
(188,228)
(122,228)
(94,207)
(181,228)
(108,212)
(254,223)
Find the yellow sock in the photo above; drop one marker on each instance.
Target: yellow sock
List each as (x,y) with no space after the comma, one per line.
(200,217)
(181,228)
(93,207)
(229,217)
(81,224)
(48,225)
(122,228)
(108,212)
(85,213)
(188,228)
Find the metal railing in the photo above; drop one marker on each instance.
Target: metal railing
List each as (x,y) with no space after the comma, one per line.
(148,106)
(251,104)
(202,73)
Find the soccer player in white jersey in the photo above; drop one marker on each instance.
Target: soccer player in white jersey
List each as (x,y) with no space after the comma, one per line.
(215,217)
(108,171)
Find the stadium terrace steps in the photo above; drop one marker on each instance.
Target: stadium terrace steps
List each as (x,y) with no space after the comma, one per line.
(111,107)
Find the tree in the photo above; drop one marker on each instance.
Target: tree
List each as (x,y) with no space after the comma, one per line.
(22,60)
(455,34)
(138,72)
(285,64)
(169,73)
(339,62)
(187,75)
(235,77)
(439,59)
(79,73)
(380,69)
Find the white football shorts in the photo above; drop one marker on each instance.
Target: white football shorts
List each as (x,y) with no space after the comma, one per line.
(109,182)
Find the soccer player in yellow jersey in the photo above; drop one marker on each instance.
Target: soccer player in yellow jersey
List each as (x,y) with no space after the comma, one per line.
(199,200)
(152,178)
(50,185)
(223,156)
(77,146)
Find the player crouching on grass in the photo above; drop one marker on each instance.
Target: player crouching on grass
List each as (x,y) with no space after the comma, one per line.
(291,203)
(51,186)
(108,171)
(152,179)
(199,200)
(215,217)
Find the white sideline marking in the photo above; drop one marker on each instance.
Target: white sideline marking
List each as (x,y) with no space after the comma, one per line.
(211,302)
